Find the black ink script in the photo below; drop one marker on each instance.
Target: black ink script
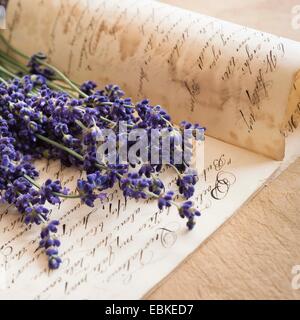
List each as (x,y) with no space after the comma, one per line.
(224,180)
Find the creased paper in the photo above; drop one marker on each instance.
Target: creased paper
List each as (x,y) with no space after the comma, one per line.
(240,83)
(121,249)
(234,80)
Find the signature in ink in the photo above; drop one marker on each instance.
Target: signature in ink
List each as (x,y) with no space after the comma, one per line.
(224,180)
(168,237)
(219,163)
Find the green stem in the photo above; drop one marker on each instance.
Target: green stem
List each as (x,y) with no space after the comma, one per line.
(50,84)
(4,70)
(63,87)
(62,76)
(60,146)
(107,103)
(4,81)
(19,53)
(80,124)
(61,195)
(152,194)
(172,166)
(24,68)
(13,62)
(107,120)
(31,181)
(175,204)
(68,150)
(54,86)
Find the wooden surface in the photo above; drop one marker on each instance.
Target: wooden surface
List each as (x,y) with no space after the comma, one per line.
(252,255)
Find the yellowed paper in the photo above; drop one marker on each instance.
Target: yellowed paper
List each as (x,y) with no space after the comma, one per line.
(184,61)
(121,249)
(234,80)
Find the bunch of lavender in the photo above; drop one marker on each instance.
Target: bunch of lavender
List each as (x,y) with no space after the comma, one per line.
(43,113)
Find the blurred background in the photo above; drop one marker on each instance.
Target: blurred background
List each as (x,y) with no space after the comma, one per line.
(281,17)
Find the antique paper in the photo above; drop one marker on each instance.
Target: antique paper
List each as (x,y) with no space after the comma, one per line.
(240,83)
(121,249)
(234,80)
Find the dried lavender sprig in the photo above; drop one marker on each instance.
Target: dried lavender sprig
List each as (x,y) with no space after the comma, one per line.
(68,81)
(129,185)
(78,156)
(186,209)
(50,242)
(64,78)
(40,61)
(58,194)
(23,69)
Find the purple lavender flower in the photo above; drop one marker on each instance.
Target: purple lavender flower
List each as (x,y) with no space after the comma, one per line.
(134,186)
(86,191)
(92,135)
(147,170)
(114,92)
(197,130)
(35,214)
(49,191)
(37,68)
(165,201)
(50,242)
(88,87)
(156,186)
(186,183)
(154,117)
(37,121)
(88,188)
(188,211)
(54,259)
(47,239)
